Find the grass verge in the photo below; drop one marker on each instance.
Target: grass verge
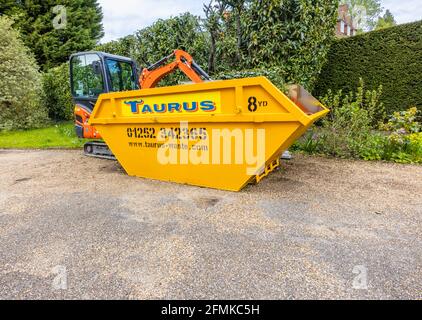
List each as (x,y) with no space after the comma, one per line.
(60,135)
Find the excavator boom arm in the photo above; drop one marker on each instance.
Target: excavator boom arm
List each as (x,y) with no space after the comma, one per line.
(151,75)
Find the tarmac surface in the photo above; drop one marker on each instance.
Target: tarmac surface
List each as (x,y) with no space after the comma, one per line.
(73,227)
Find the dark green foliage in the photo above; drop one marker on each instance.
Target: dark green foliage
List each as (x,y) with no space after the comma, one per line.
(152,43)
(52,46)
(58,99)
(390,57)
(127,46)
(292,34)
(224,23)
(274,74)
(163,36)
(213,25)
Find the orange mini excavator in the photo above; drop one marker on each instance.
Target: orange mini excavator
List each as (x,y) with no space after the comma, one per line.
(93,73)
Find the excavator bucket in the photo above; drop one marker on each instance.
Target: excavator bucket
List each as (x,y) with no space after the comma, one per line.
(220,134)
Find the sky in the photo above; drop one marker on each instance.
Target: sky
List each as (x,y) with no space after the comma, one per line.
(124,17)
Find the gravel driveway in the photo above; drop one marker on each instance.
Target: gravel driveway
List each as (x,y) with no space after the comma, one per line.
(78,227)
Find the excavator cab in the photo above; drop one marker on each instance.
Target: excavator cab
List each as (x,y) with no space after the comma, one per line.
(93,73)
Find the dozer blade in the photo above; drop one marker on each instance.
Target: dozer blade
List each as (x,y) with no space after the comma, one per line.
(221,134)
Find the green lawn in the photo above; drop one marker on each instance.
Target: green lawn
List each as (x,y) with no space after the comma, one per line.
(61,135)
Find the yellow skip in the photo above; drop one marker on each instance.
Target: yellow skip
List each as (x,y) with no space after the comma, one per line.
(221,134)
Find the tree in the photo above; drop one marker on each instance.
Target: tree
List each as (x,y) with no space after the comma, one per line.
(386,21)
(238,8)
(54,29)
(57,95)
(286,41)
(20,83)
(293,34)
(364,12)
(214,12)
(127,46)
(224,22)
(165,35)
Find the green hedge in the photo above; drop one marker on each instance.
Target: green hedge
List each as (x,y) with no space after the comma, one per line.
(58,99)
(391,57)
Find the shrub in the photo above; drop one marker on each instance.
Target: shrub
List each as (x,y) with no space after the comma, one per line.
(404,122)
(309,143)
(20,83)
(58,98)
(241,35)
(404,142)
(274,74)
(349,134)
(126,46)
(165,35)
(345,133)
(389,57)
(368,100)
(404,148)
(294,35)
